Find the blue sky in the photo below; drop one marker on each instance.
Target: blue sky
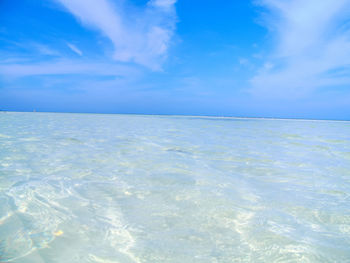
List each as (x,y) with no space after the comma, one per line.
(261,58)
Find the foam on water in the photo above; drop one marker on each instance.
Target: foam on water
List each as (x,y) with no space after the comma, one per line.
(127,188)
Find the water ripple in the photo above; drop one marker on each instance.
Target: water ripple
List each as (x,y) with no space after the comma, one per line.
(128,188)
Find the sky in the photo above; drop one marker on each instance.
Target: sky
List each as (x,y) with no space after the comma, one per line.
(251,58)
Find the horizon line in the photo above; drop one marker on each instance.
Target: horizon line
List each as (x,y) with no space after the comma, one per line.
(182,115)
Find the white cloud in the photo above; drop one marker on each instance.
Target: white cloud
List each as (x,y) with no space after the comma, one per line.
(138,36)
(75,49)
(66,67)
(312,48)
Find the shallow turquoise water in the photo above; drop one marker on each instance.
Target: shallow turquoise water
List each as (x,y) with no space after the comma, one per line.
(128,188)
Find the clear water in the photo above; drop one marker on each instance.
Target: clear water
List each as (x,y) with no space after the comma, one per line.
(126,188)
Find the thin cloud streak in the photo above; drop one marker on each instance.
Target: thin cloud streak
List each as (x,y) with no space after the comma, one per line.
(312,47)
(142,37)
(75,49)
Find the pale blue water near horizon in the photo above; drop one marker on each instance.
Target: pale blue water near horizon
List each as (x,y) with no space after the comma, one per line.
(131,188)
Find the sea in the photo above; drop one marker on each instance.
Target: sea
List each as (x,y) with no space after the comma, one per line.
(140,188)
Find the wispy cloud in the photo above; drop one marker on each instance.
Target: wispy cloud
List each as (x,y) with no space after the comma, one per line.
(75,49)
(45,50)
(66,67)
(140,36)
(311,49)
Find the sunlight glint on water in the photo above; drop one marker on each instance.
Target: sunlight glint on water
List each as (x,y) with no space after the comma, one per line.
(127,188)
